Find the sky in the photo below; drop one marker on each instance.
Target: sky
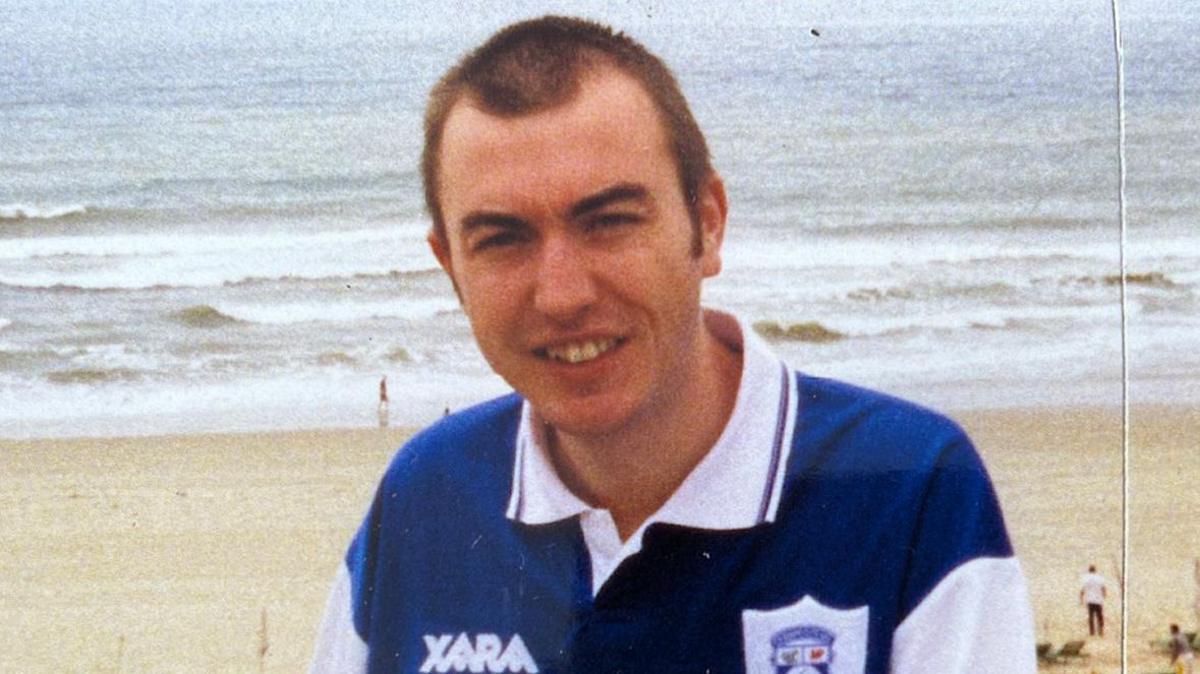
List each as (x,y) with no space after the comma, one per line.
(97,22)
(459,16)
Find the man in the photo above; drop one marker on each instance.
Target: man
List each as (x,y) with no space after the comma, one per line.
(1093,593)
(1181,652)
(662,494)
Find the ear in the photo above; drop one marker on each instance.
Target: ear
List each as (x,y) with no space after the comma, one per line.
(441,251)
(713,209)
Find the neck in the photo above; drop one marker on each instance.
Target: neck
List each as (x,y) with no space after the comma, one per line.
(634,471)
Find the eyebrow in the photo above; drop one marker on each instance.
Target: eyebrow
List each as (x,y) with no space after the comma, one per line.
(485,219)
(615,194)
(607,197)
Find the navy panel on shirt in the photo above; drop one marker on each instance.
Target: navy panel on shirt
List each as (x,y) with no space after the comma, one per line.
(892,467)
(882,499)
(449,562)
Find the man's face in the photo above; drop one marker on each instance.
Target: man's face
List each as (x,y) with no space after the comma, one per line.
(571,248)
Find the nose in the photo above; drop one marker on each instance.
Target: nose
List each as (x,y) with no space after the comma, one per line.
(565,286)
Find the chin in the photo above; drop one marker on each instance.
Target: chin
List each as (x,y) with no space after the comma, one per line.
(594,417)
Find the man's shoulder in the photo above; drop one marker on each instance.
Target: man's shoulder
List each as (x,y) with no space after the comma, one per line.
(478,438)
(872,427)
(868,468)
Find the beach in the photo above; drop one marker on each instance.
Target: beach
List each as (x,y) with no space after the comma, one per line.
(160,554)
(171,553)
(212,236)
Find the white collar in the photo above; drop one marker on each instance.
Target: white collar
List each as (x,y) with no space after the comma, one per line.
(736,485)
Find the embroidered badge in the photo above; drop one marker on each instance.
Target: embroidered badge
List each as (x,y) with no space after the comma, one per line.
(805,649)
(805,638)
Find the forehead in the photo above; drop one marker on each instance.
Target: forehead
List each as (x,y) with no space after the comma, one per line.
(610,131)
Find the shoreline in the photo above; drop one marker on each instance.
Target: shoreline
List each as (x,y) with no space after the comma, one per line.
(145,428)
(167,553)
(348,401)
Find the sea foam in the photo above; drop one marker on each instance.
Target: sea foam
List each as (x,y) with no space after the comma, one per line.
(311,312)
(204,260)
(192,244)
(799,251)
(26,212)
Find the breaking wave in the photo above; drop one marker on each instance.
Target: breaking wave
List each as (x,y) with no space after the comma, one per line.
(13,359)
(114,282)
(203,316)
(1004,324)
(89,375)
(811,331)
(394,274)
(335,358)
(182,245)
(933,290)
(1152,279)
(26,212)
(289,313)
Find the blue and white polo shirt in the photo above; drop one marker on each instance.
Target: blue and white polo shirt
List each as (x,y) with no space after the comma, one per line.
(830,530)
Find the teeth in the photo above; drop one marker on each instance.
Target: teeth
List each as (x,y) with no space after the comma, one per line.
(580,352)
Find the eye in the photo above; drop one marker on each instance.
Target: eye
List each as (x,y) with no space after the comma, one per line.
(612,219)
(500,239)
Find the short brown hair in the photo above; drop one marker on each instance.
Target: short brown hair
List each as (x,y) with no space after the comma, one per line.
(537,64)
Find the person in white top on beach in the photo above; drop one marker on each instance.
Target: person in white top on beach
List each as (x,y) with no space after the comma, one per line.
(1093,593)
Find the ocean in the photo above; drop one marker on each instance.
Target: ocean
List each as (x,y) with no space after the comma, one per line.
(211,217)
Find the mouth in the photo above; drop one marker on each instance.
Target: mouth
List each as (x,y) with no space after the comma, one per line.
(582,351)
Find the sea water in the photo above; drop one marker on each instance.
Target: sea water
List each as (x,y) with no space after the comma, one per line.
(211,216)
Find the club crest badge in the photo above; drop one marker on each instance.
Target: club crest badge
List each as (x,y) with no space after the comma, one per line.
(805,638)
(806,649)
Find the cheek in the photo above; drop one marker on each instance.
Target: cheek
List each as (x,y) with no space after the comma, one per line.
(490,333)
(675,271)
(491,303)
(482,311)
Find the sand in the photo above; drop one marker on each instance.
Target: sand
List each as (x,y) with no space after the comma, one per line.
(193,553)
(161,554)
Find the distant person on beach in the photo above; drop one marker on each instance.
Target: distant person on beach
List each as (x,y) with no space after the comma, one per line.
(662,493)
(1092,593)
(1181,652)
(383,402)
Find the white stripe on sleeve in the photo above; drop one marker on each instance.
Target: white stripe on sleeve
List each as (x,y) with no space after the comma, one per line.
(339,649)
(977,621)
